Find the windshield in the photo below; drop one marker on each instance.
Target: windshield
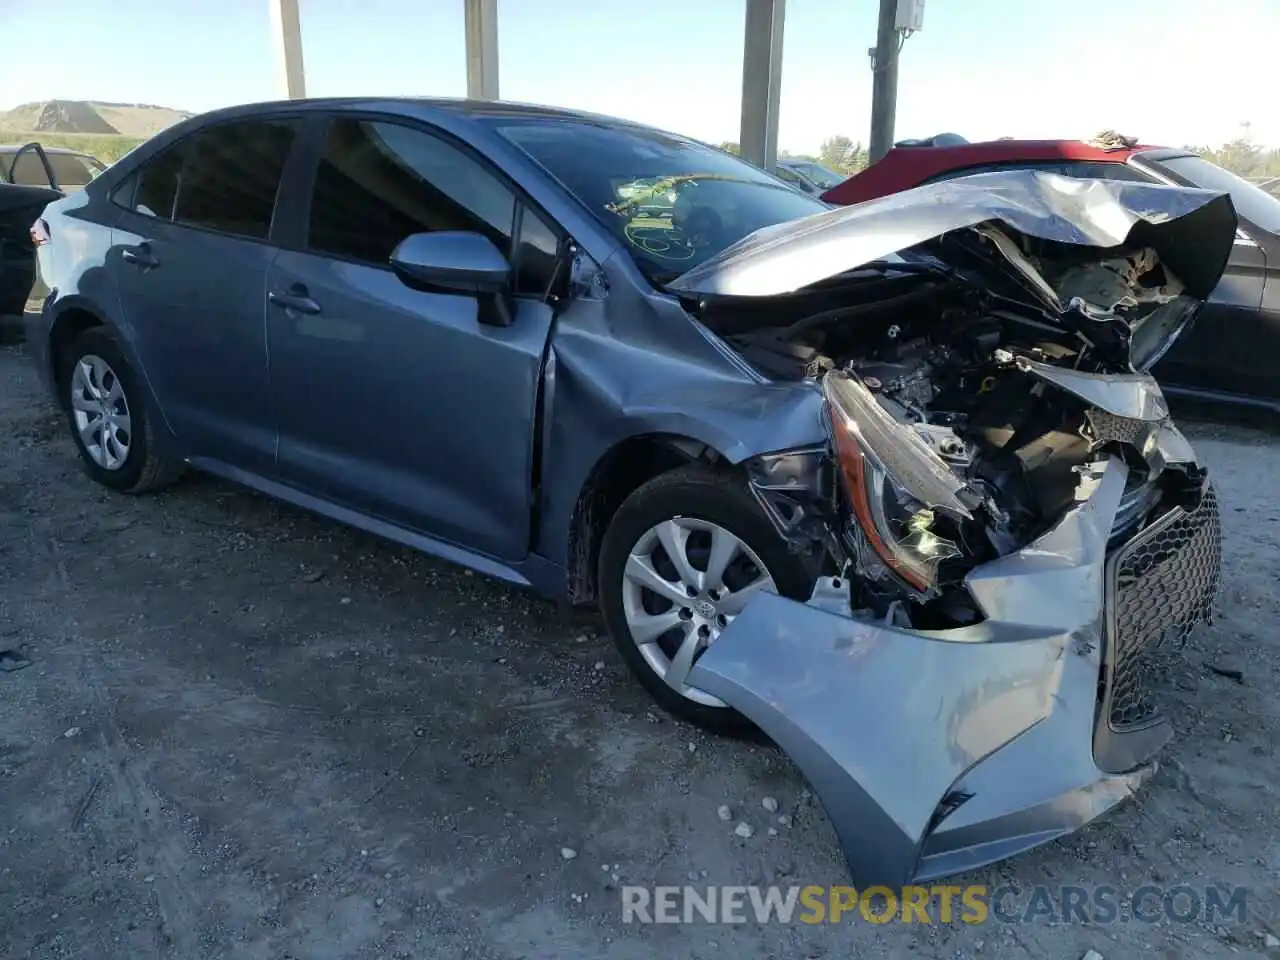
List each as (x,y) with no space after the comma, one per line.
(1252,203)
(673,202)
(819,174)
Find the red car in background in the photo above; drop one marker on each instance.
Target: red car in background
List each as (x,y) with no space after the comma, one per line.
(1232,352)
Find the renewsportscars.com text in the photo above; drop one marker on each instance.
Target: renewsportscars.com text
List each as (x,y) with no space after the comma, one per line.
(973,904)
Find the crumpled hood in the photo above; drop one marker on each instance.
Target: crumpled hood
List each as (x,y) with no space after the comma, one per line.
(1191,231)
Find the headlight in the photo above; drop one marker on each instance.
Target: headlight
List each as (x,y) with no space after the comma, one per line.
(896,485)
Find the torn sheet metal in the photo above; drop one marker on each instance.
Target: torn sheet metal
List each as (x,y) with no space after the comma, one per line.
(1191,231)
(1133,396)
(938,751)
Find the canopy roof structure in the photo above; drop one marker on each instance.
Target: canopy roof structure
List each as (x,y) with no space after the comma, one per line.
(761,65)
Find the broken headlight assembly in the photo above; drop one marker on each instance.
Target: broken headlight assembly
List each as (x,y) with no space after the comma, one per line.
(897,487)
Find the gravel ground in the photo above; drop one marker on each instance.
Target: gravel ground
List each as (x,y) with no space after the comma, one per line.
(248,732)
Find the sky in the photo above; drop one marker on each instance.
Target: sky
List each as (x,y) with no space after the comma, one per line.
(1167,71)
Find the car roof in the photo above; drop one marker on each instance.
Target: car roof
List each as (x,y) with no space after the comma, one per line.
(455,106)
(64,151)
(907,166)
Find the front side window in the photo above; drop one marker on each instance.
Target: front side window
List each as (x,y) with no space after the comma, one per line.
(673,202)
(379,182)
(230,176)
(27,169)
(537,255)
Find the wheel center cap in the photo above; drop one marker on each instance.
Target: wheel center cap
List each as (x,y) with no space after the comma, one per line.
(705,609)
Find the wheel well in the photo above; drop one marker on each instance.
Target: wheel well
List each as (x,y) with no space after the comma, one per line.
(618,474)
(66,328)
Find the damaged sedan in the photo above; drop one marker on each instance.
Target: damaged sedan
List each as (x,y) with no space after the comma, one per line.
(889,482)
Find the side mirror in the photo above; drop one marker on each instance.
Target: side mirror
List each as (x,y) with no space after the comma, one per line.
(455,260)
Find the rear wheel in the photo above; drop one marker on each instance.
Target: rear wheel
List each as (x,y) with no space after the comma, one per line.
(681,558)
(108,419)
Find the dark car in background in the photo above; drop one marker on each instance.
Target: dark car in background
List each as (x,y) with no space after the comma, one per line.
(1232,352)
(853,475)
(32,176)
(808,176)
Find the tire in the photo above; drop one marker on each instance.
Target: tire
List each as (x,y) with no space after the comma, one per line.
(697,500)
(92,366)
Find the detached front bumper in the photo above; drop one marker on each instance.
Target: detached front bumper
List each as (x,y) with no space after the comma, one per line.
(935,752)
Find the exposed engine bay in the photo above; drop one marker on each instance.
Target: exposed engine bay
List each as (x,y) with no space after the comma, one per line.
(965,418)
(1005,527)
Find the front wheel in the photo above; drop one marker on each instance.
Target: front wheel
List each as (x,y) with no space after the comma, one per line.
(681,558)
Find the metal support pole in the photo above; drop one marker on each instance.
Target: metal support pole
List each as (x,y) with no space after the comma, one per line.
(761,82)
(482,49)
(884,82)
(286,29)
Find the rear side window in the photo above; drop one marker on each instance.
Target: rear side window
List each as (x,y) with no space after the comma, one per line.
(1104,171)
(1083,169)
(157,186)
(377,183)
(230,176)
(72,170)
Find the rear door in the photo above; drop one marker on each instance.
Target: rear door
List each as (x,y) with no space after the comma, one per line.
(190,255)
(398,402)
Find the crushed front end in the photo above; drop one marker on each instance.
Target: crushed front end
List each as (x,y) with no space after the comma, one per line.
(1015,532)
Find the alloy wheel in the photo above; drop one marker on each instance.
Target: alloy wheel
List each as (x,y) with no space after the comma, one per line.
(101,412)
(685,580)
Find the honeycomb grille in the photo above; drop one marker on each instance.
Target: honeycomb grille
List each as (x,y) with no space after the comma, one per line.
(1108,428)
(1164,583)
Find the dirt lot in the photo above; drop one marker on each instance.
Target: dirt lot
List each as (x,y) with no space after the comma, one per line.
(248,732)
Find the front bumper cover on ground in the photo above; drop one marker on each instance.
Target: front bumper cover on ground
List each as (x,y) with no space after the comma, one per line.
(937,752)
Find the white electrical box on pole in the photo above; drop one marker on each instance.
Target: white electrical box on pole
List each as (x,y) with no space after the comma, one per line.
(910,16)
(898,20)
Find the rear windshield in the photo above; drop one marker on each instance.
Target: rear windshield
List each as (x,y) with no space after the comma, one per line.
(1251,202)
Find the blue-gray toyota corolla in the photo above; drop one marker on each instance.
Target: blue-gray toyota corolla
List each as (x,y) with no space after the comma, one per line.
(889,482)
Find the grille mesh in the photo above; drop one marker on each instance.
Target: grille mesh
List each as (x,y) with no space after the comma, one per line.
(1108,428)
(1164,583)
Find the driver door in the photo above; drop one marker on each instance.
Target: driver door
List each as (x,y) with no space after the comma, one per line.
(404,404)
(30,167)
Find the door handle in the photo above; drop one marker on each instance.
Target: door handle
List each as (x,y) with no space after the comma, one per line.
(294,299)
(140,255)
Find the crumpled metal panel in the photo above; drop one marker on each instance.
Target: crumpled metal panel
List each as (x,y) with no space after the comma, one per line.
(1133,396)
(1192,231)
(626,362)
(903,733)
